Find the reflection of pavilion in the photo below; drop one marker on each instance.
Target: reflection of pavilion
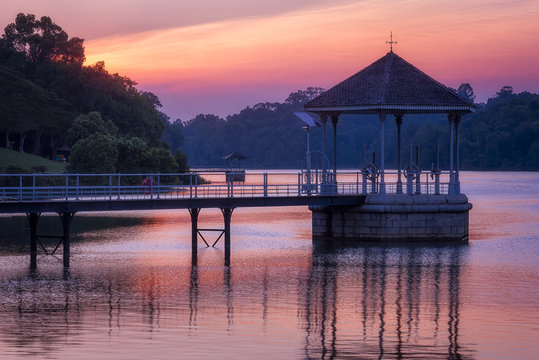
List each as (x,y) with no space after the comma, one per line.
(371,302)
(391,303)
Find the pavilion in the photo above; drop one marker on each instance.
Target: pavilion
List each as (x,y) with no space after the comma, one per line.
(392,86)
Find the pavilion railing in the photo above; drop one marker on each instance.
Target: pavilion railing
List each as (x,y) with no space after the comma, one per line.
(112,187)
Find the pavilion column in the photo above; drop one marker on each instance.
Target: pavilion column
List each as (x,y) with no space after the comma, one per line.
(451,119)
(457,172)
(382,117)
(398,120)
(334,120)
(323,120)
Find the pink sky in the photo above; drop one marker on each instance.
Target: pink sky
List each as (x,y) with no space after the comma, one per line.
(216,56)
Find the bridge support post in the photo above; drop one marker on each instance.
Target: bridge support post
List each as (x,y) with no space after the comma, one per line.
(66,218)
(194,234)
(227,215)
(33,220)
(457,145)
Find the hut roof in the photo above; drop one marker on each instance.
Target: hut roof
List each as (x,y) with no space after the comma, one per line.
(234,156)
(389,84)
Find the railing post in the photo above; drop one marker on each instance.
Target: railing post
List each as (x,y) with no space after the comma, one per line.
(299,184)
(67,187)
(364,174)
(118,187)
(196,186)
(151,186)
(110,187)
(34,187)
(190,186)
(158,185)
(77,189)
(418,182)
(265,184)
(20,187)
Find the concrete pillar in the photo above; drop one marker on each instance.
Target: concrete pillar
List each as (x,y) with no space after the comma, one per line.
(437,172)
(382,117)
(451,119)
(409,178)
(227,215)
(334,120)
(194,234)
(457,149)
(66,218)
(398,120)
(323,120)
(33,219)
(418,168)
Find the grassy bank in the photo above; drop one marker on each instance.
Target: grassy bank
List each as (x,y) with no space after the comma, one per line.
(27,161)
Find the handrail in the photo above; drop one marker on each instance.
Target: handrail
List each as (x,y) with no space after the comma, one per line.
(137,186)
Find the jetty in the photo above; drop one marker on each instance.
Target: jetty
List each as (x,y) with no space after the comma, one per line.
(367,204)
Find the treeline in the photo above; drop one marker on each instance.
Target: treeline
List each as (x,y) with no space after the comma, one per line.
(49,100)
(502,134)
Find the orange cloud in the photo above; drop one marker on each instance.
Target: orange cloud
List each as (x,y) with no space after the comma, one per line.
(453,41)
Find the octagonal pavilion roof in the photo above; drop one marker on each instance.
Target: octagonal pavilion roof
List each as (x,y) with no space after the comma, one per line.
(391,85)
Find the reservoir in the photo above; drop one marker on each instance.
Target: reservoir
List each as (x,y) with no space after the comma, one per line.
(131,292)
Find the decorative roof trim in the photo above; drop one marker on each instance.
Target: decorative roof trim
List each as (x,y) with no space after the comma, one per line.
(396,108)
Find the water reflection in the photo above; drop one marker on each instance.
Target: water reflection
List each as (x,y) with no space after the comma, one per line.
(384,302)
(369,302)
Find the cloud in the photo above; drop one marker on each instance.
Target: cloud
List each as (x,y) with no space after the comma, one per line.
(229,54)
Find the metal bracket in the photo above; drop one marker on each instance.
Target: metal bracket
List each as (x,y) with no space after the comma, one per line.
(49,237)
(222,231)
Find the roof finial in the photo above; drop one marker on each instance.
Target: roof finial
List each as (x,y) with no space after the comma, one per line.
(391,42)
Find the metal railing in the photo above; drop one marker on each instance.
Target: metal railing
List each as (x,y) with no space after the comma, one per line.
(112,187)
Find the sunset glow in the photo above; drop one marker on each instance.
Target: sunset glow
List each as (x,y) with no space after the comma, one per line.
(221,65)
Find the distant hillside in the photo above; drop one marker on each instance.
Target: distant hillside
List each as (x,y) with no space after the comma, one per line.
(27,161)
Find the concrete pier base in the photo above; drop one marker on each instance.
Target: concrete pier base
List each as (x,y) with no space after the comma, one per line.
(393,218)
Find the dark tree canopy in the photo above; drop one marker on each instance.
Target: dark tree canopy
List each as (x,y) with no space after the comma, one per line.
(48,98)
(42,40)
(465,91)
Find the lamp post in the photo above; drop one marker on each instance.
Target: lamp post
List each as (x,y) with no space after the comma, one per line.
(308,159)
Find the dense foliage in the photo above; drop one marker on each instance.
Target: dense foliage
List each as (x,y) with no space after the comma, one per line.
(49,99)
(502,134)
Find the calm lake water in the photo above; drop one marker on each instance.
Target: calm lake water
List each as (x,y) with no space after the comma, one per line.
(132,293)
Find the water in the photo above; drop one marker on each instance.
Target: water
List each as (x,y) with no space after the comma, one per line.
(132,294)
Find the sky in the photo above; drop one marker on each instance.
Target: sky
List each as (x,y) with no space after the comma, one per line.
(220,56)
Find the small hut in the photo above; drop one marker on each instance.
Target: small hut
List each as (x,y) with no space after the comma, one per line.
(62,153)
(235,170)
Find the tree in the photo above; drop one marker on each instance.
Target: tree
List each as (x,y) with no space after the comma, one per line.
(89,124)
(301,97)
(42,40)
(505,93)
(172,134)
(161,160)
(465,91)
(133,156)
(96,154)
